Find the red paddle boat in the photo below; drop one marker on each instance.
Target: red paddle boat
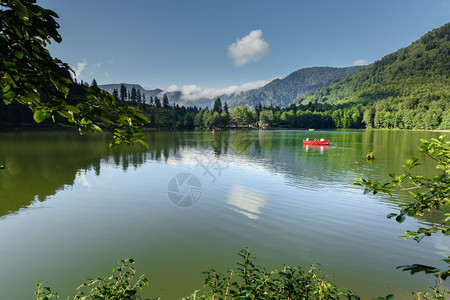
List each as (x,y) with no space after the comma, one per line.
(316,142)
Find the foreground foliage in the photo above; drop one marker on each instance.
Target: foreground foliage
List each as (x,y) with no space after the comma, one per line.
(246,281)
(31,77)
(426,194)
(433,293)
(250,281)
(120,285)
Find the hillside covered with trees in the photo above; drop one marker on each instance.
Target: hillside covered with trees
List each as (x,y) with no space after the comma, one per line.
(298,84)
(405,89)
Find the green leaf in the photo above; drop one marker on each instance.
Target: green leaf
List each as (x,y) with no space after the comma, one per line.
(18,54)
(411,163)
(6,89)
(64,89)
(415,268)
(143,143)
(10,95)
(400,218)
(65,114)
(20,10)
(115,143)
(40,115)
(72,108)
(85,121)
(95,128)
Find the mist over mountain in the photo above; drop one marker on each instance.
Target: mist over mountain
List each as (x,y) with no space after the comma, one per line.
(279,92)
(148,93)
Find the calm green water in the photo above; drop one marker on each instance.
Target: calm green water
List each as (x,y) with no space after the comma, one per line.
(70,207)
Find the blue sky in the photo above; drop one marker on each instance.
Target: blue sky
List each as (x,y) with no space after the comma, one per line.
(218,44)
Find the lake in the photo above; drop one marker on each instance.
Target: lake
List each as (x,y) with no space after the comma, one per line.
(70,207)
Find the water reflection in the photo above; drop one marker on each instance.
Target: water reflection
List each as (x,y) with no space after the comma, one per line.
(247,201)
(81,177)
(41,163)
(272,196)
(321,149)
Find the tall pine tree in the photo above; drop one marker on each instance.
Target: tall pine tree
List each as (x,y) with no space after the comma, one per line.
(225,108)
(157,102)
(133,94)
(123,92)
(217,106)
(165,101)
(139,96)
(116,93)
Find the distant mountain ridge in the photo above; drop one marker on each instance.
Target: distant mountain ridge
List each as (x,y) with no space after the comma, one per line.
(279,92)
(298,84)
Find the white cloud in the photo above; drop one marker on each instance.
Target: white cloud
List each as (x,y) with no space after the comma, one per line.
(246,201)
(106,74)
(79,69)
(193,92)
(360,62)
(249,48)
(81,176)
(171,88)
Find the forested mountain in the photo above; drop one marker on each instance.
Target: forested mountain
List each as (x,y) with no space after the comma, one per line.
(281,92)
(412,82)
(412,77)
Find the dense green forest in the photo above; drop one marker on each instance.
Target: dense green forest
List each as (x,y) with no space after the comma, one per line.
(310,115)
(425,115)
(405,89)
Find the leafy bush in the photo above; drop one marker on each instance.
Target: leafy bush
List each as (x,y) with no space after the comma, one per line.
(250,281)
(426,194)
(120,285)
(246,281)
